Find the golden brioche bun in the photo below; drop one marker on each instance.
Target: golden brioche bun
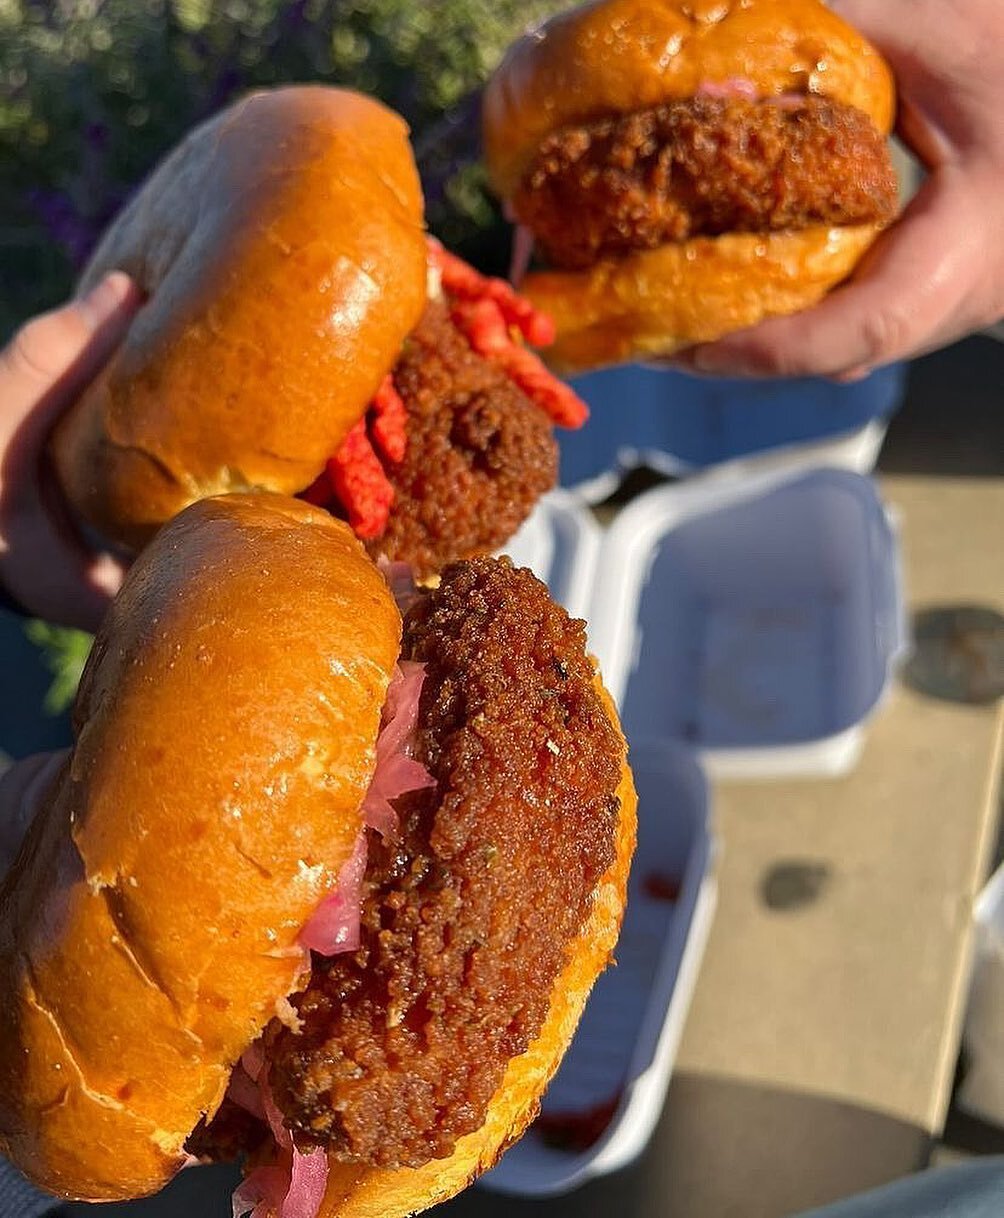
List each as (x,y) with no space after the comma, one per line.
(617,56)
(354,1192)
(282,248)
(226,736)
(654,302)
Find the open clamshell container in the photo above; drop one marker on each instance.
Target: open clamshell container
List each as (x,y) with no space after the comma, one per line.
(746,627)
(757,619)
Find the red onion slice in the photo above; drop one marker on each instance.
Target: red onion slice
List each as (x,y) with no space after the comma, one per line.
(262,1193)
(307,1182)
(522,252)
(333,927)
(243,1091)
(732,86)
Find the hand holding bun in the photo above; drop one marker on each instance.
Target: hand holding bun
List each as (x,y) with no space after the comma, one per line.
(44,566)
(714,164)
(938,273)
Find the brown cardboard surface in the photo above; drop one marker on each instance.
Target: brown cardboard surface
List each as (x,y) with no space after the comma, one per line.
(855,994)
(833,1026)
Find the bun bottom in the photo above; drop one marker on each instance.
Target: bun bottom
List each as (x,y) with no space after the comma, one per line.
(655,302)
(355,1192)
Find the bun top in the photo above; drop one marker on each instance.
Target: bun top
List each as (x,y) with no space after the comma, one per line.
(615,56)
(226,727)
(283,251)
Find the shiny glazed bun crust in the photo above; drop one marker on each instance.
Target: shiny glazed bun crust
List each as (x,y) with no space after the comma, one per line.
(656,301)
(282,248)
(226,727)
(613,57)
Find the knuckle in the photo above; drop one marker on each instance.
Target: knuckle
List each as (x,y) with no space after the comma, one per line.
(787,363)
(884,336)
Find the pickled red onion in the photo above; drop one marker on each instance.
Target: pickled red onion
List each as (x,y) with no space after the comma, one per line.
(741,87)
(401,581)
(733,86)
(294,1186)
(262,1193)
(243,1091)
(522,252)
(333,927)
(308,1179)
(396,770)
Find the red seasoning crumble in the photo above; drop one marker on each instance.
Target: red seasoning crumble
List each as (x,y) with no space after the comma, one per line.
(497,323)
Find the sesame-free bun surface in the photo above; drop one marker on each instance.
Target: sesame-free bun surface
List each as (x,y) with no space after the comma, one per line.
(617,56)
(354,1192)
(225,736)
(281,245)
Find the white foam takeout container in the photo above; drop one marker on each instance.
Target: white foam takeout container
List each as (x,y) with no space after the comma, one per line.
(981,1092)
(746,626)
(754,615)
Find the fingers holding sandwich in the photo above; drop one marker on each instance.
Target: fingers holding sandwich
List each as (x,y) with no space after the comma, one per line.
(44,370)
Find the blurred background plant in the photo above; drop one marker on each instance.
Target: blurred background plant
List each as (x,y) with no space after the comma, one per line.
(93,92)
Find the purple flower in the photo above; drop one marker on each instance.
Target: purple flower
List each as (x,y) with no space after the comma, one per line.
(96,134)
(75,233)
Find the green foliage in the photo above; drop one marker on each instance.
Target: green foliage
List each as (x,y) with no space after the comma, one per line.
(65,652)
(93,92)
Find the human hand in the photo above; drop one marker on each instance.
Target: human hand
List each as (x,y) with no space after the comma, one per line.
(22,789)
(44,564)
(938,272)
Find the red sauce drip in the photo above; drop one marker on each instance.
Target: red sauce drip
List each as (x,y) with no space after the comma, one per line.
(661,887)
(576,1131)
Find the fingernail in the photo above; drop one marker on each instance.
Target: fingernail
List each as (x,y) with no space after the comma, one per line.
(106,574)
(106,298)
(852,375)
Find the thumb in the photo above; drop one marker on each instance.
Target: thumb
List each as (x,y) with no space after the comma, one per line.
(52,358)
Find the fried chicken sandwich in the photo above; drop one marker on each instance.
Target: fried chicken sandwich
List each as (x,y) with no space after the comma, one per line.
(319,886)
(685,168)
(303,335)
